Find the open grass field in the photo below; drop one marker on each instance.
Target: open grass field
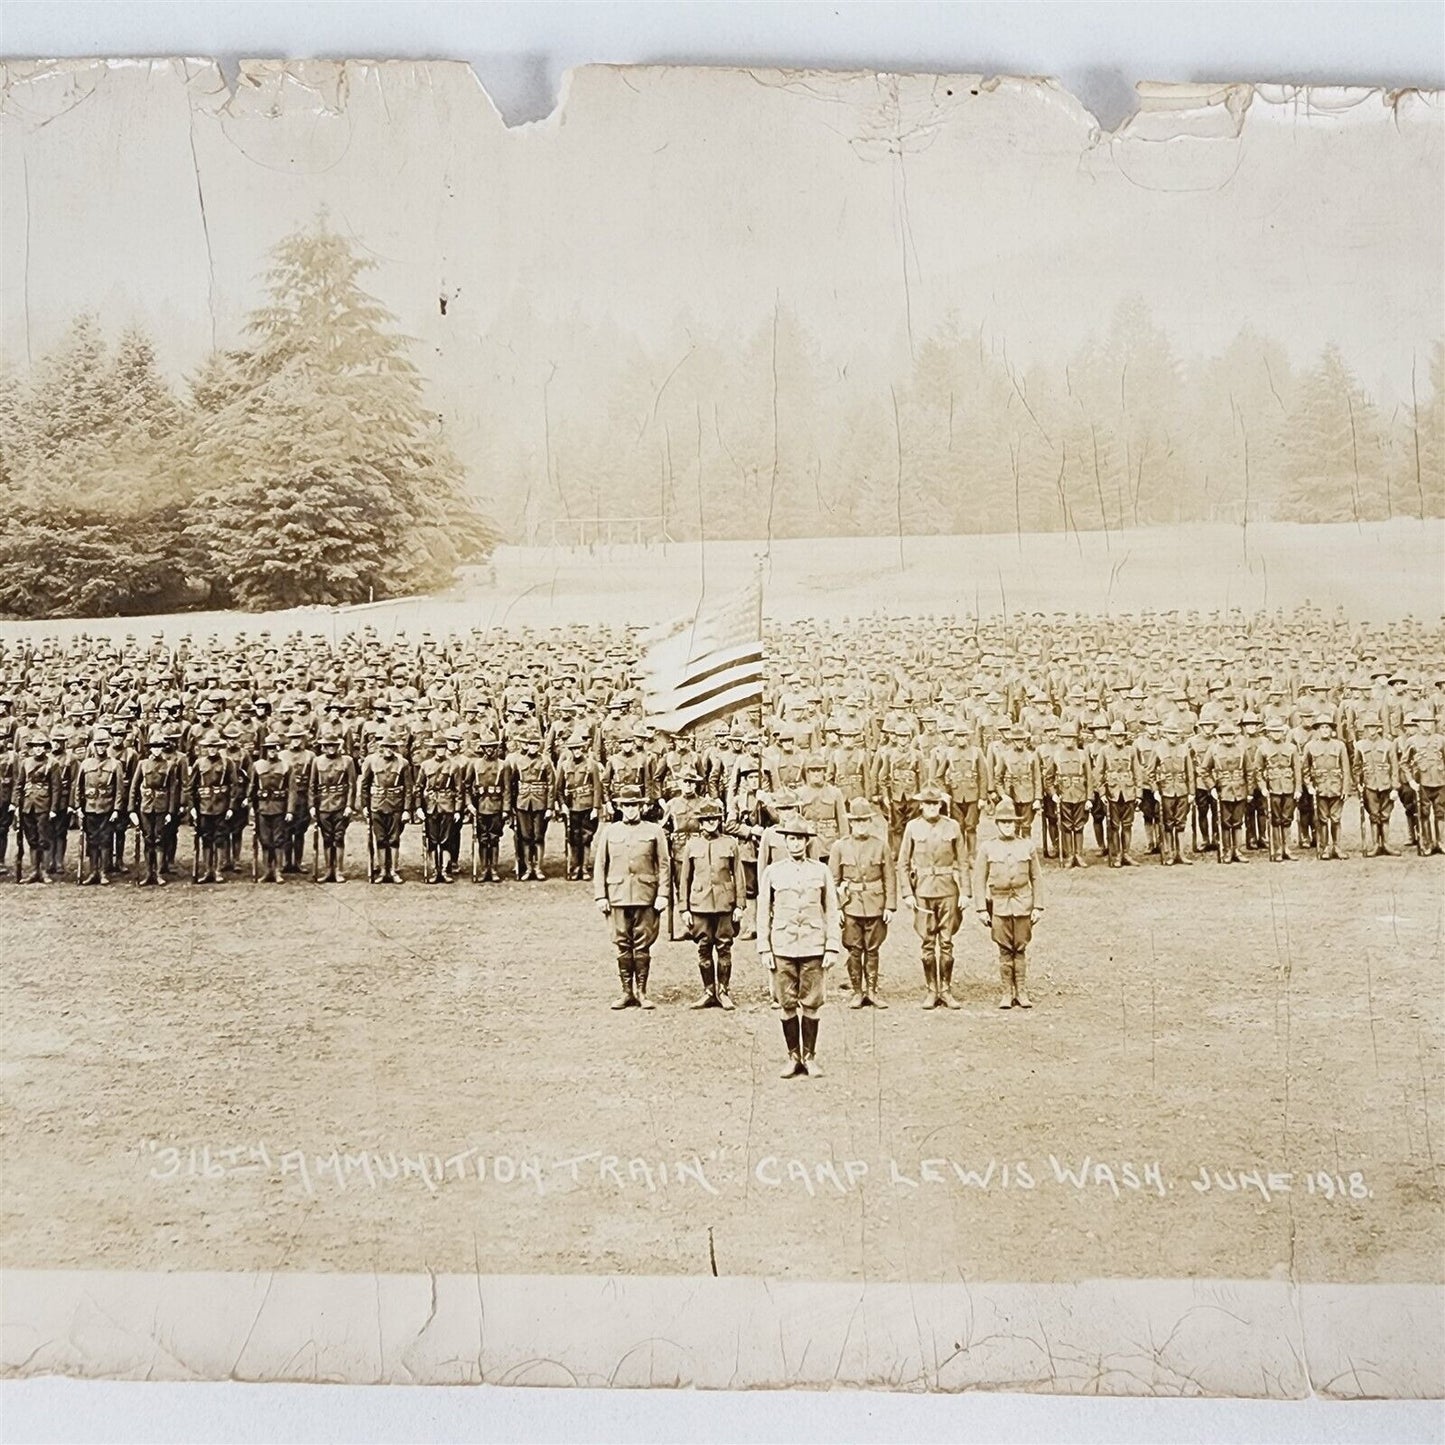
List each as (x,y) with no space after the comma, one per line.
(1377,572)
(428,1078)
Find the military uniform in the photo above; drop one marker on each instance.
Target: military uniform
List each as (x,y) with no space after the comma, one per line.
(490,789)
(1173,781)
(99,792)
(1325,773)
(387,796)
(867,894)
(631,871)
(213,790)
(37,799)
(931,876)
(1007,892)
(1377,776)
(1422,761)
(1280,776)
(798,937)
(712,891)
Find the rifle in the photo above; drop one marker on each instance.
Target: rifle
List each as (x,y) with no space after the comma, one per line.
(370,849)
(316,852)
(196,851)
(19,844)
(476,848)
(1364,847)
(81,850)
(255,850)
(1194,823)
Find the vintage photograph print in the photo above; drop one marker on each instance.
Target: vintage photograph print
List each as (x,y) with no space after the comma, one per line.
(785,730)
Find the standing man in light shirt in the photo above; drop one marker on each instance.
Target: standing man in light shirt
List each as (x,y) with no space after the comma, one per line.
(1007,897)
(799,937)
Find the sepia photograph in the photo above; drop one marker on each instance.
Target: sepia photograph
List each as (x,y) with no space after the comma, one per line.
(786,729)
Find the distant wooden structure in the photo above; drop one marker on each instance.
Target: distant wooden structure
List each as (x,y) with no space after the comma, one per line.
(593,532)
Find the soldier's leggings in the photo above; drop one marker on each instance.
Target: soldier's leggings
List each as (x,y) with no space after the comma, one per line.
(1306,804)
(863,938)
(272,830)
(1379,805)
(5,815)
(1149,805)
(1121,826)
(153,830)
(1012,934)
(634,931)
(97,828)
(296,831)
(935,921)
(1174,812)
(59,839)
(1281,810)
(1208,814)
(1432,814)
(35,829)
(713,933)
(532,826)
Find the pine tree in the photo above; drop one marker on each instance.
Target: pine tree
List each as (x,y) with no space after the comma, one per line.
(333,482)
(1333,463)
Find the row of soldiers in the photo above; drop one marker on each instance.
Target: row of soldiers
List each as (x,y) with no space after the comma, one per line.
(1238,731)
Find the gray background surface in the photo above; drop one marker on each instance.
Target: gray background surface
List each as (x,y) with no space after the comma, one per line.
(520,52)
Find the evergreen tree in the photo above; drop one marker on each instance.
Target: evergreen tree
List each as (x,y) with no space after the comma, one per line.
(332,482)
(1333,462)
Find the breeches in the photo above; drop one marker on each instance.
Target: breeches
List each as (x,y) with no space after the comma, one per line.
(713,931)
(1281,809)
(800,985)
(863,937)
(1174,812)
(1012,934)
(1378,804)
(634,931)
(271,829)
(1072,816)
(531,824)
(386,829)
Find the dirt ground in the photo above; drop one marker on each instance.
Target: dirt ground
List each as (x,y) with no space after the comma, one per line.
(424,1078)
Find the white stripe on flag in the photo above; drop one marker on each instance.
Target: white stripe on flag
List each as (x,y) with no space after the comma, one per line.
(678,698)
(668,680)
(747,694)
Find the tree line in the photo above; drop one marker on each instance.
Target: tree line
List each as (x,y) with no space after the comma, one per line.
(780,436)
(303,467)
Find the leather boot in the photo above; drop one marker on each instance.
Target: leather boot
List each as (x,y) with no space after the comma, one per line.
(708,999)
(792,1036)
(1180,856)
(945,994)
(809,1046)
(1079,860)
(1006,985)
(870,973)
(930,984)
(624,972)
(1099,834)
(1021,973)
(644,967)
(725,981)
(855,979)
(1285,856)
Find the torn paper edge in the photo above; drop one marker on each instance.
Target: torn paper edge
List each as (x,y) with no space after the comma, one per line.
(1200,1338)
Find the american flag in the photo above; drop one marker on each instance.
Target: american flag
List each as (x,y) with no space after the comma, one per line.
(706,666)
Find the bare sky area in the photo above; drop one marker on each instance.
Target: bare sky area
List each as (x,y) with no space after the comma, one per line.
(869,205)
